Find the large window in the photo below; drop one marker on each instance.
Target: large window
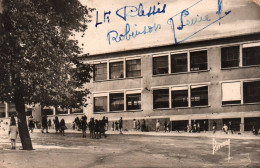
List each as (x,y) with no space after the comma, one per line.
(116,70)
(199,95)
(100,104)
(161,98)
(251,92)
(231,93)
(179,63)
(180,96)
(230,57)
(198,60)
(160,65)
(251,55)
(133,101)
(100,71)
(133,68)
(117,102)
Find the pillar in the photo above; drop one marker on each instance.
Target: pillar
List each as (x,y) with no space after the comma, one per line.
(242,124)
(6,110)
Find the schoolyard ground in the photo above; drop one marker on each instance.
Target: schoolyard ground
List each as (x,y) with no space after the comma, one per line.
(131,149)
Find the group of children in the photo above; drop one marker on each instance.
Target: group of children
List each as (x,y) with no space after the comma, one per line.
(96,127)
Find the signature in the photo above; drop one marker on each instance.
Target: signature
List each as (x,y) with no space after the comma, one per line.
(129,33)
(190,22)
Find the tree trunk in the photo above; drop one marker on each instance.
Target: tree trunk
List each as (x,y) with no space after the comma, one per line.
(22,124)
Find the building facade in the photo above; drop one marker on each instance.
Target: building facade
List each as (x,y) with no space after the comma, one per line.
(206,81)
(213,80)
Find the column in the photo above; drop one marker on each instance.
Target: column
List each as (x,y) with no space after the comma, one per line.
(6,110)
(54,111)
(242,124)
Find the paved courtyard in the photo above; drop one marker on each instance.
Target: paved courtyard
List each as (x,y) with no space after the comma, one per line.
(130,150)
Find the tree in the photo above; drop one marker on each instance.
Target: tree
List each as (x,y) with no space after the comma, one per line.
(39,58)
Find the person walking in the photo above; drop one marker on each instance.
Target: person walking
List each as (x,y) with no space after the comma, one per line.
(13,132)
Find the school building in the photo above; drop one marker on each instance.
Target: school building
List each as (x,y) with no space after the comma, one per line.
(212,80)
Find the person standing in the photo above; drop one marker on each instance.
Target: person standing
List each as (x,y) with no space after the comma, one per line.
(134,125)
(106,123)
(113,126)
(44,124)
(198,127)
(138,125)
(31,124)
(13,132)
(91,126)
(120,125)
(62,127)
(116,123)
(56,124)
(84,126)
(230,127)
(49,124)
(157,129)
(214,128)
(204,126)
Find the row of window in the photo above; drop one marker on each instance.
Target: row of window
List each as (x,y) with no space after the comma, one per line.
(190,61)
(116,69)
(180,96)
(117,103)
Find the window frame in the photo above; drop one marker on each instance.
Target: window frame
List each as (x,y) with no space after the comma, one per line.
(242,81)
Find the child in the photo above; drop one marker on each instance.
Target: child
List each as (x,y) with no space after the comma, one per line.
(13,132)
(62,127)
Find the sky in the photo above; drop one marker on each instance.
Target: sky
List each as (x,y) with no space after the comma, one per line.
(205,19)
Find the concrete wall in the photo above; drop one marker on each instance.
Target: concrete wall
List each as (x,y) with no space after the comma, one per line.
(213,77)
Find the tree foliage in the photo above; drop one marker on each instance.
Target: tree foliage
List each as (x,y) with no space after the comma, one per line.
(38,50)
(38,56)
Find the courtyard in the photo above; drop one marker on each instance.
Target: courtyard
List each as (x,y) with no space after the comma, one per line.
(130,150)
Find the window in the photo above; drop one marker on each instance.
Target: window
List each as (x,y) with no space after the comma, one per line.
(231,93)
(180,96)
(251,92)
(116,70)
(179,63)
(100,104)
(117,102)
(77,110)
(199,95)
(251,55)
(160,65)
(60,110)
(161,98)
(198,60)
(100,71)
(230,57)
(133,101)
(133,68)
